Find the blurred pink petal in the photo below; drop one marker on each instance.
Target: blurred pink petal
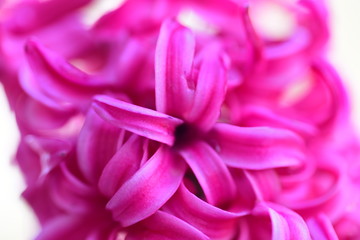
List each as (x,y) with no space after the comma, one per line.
(270,221)
(40,13)
(52,80)
(321,228)
(97,143)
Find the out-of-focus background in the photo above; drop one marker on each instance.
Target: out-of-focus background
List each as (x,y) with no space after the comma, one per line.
(16,220)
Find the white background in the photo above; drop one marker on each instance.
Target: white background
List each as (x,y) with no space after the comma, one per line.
(16,220)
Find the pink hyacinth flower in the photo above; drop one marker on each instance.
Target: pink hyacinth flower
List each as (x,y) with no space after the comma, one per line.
(145,125)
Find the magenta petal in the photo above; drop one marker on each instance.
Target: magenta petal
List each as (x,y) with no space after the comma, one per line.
(258,147)
(339,110)
(43,57)
(162,225)
(215,222)
(47,120)
(122,166)
(51,77)
(211,172)
(173,62)
(127,63)
(150,187)
(40,13)
(308,199)
(271,221)
(321,228)
(69,193)
(142,121)
(76,227)
(29,163)
(254,42)
(39,199)
(287,224)
(65,227)
(38,156)
(210,89)
(254,116)
(97,143)
(36,91)
(317,23)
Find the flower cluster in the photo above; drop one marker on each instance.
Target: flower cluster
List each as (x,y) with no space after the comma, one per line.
(180,119)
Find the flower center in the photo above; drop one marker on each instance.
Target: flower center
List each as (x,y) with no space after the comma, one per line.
(186,134)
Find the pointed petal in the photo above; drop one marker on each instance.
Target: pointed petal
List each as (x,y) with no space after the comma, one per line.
(39,55)
(162,225)
(210,89)
(96,145)
(258,147)
(173,61)
(36,91)
(51,78)
(211,172)
(122,166)
(142,121)
(148,190)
